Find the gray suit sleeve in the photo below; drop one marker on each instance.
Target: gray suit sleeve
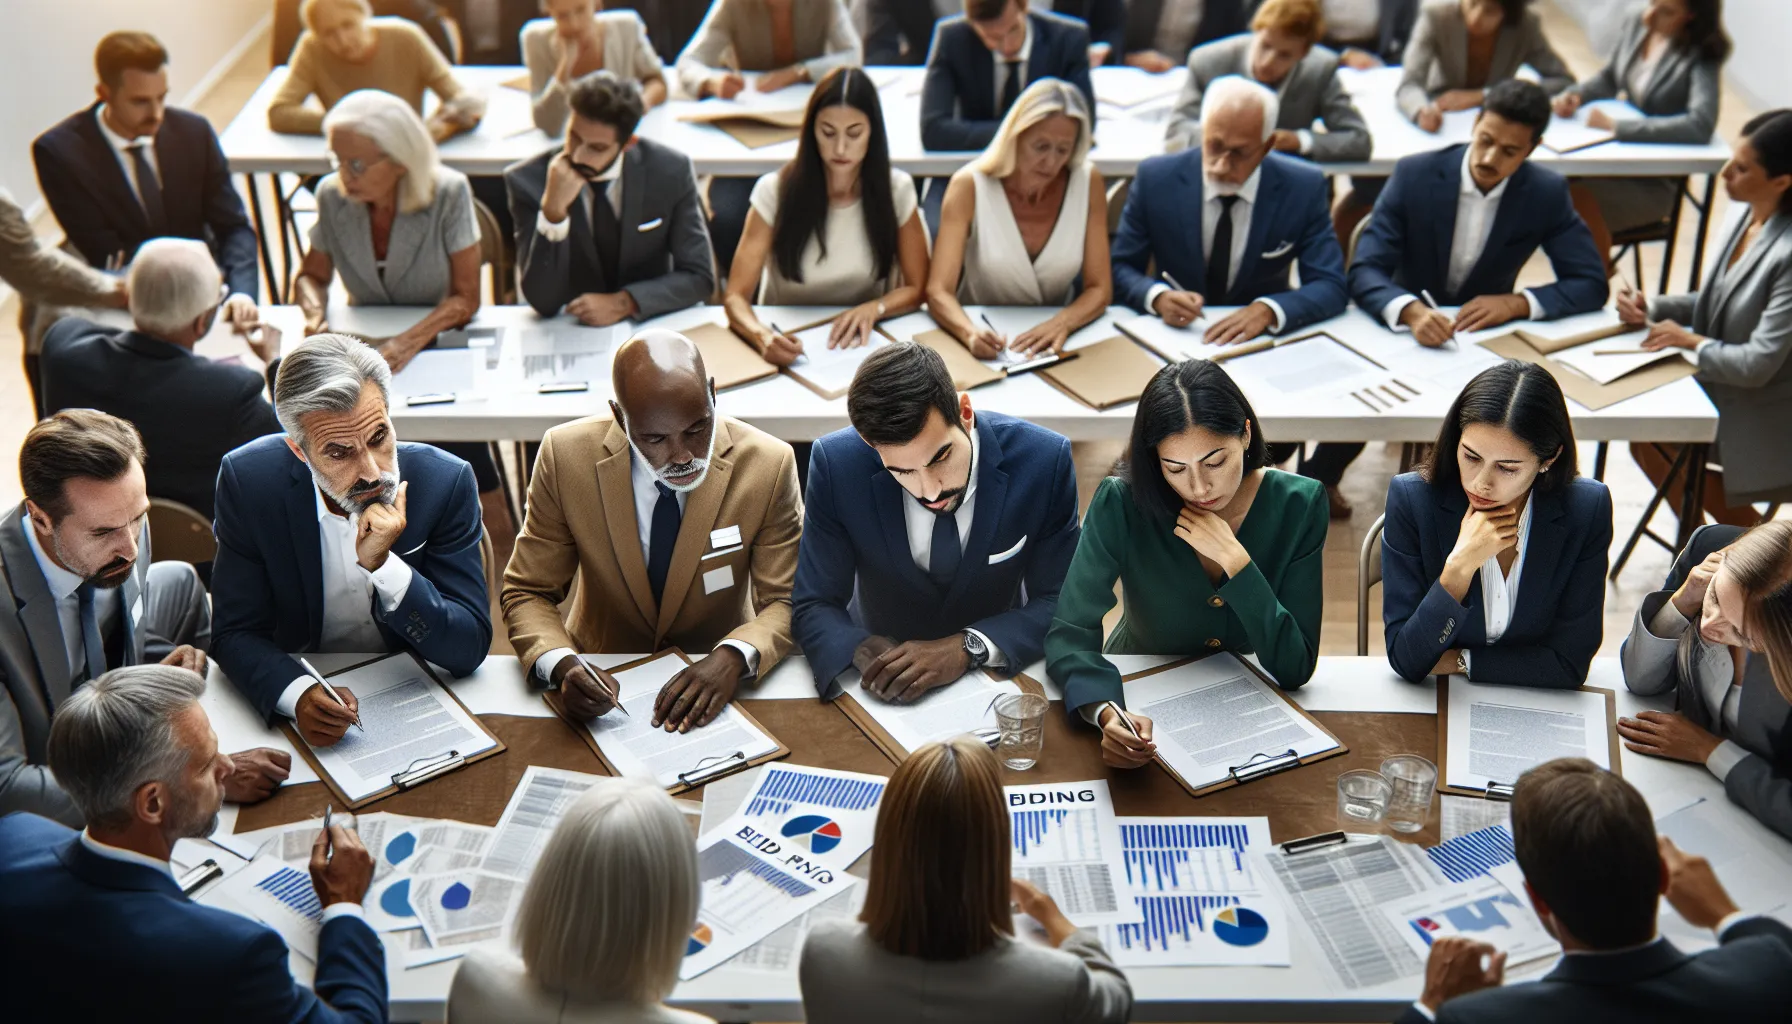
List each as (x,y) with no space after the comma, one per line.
(1184,129)
(1758,789)
(1647,659)
(1693,126)
(25,786)
(1346,136)
(1755,362)
(1677,308)
(1421,55)
(693,275)
(1544,59)
(1103,994)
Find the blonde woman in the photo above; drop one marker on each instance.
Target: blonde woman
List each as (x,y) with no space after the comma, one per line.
(603,924)
(935,941)
(576,38)
(1022,223)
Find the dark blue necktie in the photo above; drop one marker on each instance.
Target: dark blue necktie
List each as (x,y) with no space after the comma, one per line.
(91,640)
(149,190)
(660,541)
(942,561)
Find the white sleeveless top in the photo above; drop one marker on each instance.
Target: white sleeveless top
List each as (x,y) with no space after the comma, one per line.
(997,271)
(847,275)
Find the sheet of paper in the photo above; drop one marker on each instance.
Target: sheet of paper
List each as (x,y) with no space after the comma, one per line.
(1464,814)
(831,814)
(279,896)
(1067,842)
(1302,367)
(1129,87)
(1336,894)
(1746,856)
(638,750)
(1588,362)
(407,718)
(1010,321)
(1567,134)
(826,368)
(791,97)
(965,706)
(1197,881)
(779,952)
(240,728)
(1169,342)
(1497,733)
(439,371)
(560,354)
(750,890)
(460,908)
(1483,910)
(1214,715)
(536,807)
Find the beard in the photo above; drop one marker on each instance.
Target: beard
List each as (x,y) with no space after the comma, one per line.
(383,491)
(110,576)
(677,469)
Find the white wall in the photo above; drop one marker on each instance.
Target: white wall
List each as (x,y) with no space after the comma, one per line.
(1759,69)
(46,61)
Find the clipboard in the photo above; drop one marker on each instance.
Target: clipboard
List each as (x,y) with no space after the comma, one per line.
(887,744)
(699,774)
(967,370)
(1588,392)
(1105,374)
(728,357)
(1503,791)
(1261,764)
(421,770)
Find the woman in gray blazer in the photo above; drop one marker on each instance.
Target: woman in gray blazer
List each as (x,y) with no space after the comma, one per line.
(936,941)
(1718,636)
(1666,64)
(1460,47)
(1738,330)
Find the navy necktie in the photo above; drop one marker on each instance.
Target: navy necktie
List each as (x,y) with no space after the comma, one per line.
(942,561)
(606,233)
(149,190)
(1010,86)
(1219,261)
(91,641)
(662,538)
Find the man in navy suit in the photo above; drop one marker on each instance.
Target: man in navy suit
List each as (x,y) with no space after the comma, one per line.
(982,62)
(1454,228)
(95,926)
(934,539)
(1595,871)
(318,549)
(130,168)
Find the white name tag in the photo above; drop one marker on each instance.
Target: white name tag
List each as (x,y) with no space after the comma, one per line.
(719,578)
(726,537)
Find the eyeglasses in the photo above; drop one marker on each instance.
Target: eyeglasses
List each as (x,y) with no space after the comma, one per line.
(351,168)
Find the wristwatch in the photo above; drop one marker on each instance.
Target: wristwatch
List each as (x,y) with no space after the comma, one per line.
(975,650)
(1462,663)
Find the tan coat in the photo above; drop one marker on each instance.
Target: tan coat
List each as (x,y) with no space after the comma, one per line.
(581,523)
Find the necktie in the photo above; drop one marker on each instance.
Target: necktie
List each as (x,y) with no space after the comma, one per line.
(1219,261)
(606,233)
(660,541)
(942,561)
(149,190)
(91,641)
(1010,87)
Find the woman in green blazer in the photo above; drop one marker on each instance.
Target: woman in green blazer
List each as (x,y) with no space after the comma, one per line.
(1215,550)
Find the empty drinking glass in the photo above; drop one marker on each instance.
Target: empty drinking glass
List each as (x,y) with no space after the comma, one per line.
(1362,800)
(1412,778)
(1021,717)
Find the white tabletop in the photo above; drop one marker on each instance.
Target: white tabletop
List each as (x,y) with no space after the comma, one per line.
(500,404)
(1299,992)
(1124,136)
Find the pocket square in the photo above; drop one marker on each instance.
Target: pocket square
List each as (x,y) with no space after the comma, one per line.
(1010,553)
(1280,250)
(650,225)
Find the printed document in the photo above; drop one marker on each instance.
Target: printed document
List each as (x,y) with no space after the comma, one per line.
(830,369)
(1481,909)
(965,706)
(1214,715)
(1175,343)
(1337,894)
(1067,842)
(536,807)
(1199,884)
(1497,733)
(753,884)
(638,750)
(407,718)
(831,814)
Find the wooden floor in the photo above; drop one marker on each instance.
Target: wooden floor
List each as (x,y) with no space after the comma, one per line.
(1365,484)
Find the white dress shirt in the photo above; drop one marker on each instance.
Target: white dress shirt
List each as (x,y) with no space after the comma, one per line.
(349,592)
(62,585)
(1499,590)
(1475,213)
(1178,22)
(919,520)
(1352,21)
(642,478)
(121,148)
(609,183)
(1021,58)
(1718,688)
(1211,209)
(118,853)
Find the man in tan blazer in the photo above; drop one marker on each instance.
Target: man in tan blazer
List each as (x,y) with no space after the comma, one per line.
(681,528)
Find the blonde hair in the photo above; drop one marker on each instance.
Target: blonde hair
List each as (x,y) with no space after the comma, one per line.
(613,901)
(389,123)
(308,10)
(1048,97)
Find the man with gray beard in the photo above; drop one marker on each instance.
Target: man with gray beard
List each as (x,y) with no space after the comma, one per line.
(336,537)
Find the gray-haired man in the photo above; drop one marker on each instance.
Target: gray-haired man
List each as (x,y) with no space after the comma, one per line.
(323,547)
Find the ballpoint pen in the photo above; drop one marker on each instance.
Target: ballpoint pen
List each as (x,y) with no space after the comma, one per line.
(331,690)
(1172,282)
(329,840)
(1425,294)
(615,698)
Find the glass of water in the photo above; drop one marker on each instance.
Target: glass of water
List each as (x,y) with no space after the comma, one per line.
(1021,718)
(1412,778)
(1362,801)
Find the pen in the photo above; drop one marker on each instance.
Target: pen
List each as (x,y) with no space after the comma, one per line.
(329,840)
(985,318)
(1120,713)
(1621,352)
(331,690)
(1170,280)
(1425,294)
(616,697)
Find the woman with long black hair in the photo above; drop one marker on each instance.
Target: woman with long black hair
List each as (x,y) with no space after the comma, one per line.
(834,227)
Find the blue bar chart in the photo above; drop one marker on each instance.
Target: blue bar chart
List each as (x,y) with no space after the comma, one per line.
(1182,857)
(293,891)
(783,788)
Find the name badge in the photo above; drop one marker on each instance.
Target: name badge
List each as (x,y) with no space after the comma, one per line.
(719,578)
(726,537)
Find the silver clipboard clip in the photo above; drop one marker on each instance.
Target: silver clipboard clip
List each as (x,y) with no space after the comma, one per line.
(722,765)
(1265,764)
(205,873)
(1500,791)
(425,768)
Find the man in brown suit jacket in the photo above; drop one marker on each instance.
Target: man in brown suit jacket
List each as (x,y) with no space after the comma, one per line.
(681,528)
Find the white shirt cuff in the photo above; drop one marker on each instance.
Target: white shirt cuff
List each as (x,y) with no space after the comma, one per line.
(747,651)
(1468,663)
(996,658)
(391,582)
(1424,1011)
(1391,312)
(1668,623)
(1734,918)
(288,704)
(1305,136)
(547,663)
(344,909)
(1092,712)
(1281,317)
(1724,759)
(551,231)
(1536,307)
(1151,295)
(1698,352)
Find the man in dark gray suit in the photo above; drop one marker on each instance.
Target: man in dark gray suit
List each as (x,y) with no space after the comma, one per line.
(609,226)
(85,598)
(1593,870)
(1281,52)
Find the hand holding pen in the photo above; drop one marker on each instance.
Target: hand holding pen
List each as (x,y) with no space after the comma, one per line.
(986,342)
(1179,307)
(325,712)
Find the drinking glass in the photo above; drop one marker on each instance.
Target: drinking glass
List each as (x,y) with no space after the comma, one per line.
(1412,778)
(1021,718)
(1362,800)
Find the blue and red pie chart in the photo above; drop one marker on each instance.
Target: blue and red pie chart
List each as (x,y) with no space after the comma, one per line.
(814,832)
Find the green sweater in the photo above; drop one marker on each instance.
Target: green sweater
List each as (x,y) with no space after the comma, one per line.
(1272,608)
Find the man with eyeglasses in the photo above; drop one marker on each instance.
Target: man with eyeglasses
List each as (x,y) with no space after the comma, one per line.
(189,409)
(609,226)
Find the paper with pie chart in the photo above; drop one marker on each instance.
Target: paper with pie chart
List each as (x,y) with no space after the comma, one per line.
(831,815)
(1198,884)
(461,908)
(754,883)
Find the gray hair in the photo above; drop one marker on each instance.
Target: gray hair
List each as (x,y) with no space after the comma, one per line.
(391,124)
(612,903)
(1230,90)
(174,281)
(326,373)
(117,733)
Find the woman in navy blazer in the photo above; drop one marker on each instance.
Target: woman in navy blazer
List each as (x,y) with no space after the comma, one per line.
(1493,555)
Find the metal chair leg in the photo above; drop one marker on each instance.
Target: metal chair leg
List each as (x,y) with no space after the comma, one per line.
(1642,525)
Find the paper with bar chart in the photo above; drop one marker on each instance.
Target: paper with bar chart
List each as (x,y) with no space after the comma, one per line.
(1067,842)
(829,814)
(1481,909)
(1198,883)
(753,884)
(279,896)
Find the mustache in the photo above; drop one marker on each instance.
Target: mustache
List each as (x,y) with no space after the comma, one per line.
(112,574)
(683,468)
(948,495)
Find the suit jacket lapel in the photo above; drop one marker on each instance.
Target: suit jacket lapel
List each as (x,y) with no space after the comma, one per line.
(617,491)
(1543,550)
(1261,212)
(634,189)
(403,246)
(700,512)
(1445,184)
(887,497)
(116,191)
(37,609)
(1193,211)
(992,498)
(301,520)
(1769,234)
(983,83)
